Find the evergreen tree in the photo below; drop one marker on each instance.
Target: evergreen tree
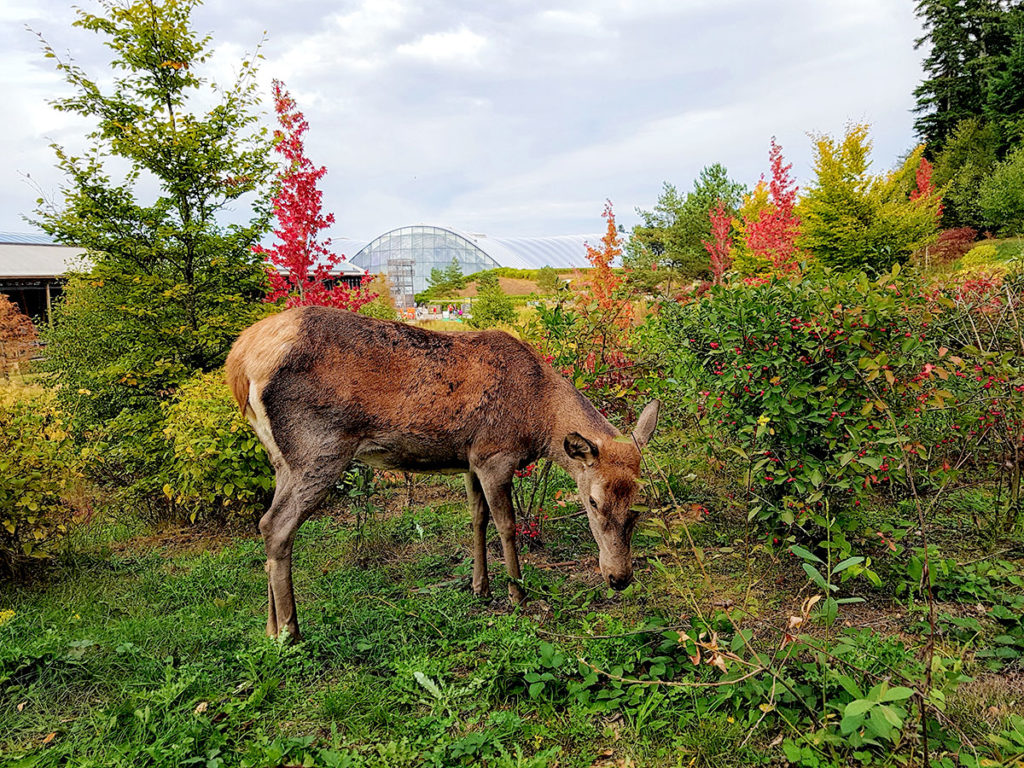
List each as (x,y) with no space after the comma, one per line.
(853,219)
(453,275)
(968,42)
(491,307)
(1004,104)
(672,235)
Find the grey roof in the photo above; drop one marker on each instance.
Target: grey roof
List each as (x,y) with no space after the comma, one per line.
(347,248)
(32,256)
(26,238)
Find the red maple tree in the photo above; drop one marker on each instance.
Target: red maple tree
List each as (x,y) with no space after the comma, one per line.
(301,264)
(772,234)
(719,247)
(925,187)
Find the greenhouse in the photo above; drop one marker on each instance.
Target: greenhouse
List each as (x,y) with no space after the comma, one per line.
(408,254)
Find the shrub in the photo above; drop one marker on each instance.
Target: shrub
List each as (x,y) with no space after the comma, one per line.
(18,337)
(216,465)
(492,307)
(950,245)
(37,471)
(1001,196)
(807,385)
(981,261)
(382,306)
(548,280)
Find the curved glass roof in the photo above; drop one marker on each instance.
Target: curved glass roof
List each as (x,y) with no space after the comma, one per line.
(408,254)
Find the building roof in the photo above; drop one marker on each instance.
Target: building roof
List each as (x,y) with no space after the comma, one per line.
(36,256)
(560,251)
(24,255)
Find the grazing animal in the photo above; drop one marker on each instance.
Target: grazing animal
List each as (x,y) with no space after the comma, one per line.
(322,386)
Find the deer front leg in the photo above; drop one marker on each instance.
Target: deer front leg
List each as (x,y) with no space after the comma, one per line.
(497,487)
(478,506)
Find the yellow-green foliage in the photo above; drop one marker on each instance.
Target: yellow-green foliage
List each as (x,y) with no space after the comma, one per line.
(983,258)
(983,255)
(851,218)
(383,306)
(217,464)
(37,471)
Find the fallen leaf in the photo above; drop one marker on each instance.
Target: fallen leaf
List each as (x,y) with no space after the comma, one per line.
(49,737)
(22,705)
(201,707)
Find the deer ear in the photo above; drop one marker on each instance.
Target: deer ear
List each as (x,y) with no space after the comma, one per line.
(579,448)
(646,423)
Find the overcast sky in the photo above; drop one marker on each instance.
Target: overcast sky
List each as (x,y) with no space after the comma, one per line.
(512,117)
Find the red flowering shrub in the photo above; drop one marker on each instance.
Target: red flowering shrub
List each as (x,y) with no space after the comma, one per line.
(719,247)
(819,389)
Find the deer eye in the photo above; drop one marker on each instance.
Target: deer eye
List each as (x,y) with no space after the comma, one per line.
(593,503)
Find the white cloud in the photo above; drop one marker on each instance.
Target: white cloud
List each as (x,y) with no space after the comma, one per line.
(515,118)
(463,46)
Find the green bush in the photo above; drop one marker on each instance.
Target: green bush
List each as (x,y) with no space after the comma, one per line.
(492,307)
(1001,196)
(809,386)
(38,470)
(217,466)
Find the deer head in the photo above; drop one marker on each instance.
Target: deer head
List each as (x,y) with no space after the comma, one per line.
(607,471)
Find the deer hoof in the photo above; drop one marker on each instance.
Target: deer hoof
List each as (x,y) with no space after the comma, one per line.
(482,590)
(516,594)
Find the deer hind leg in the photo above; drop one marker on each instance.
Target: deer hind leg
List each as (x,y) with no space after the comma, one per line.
(299,492)
(481,513)
(497,487)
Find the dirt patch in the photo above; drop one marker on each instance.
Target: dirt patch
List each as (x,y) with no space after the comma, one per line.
(992,697)
(185,540)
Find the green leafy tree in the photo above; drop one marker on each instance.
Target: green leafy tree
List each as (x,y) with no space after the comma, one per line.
(968,157)
(852,218)
(671,236)
(1001,196)
(492,307)
(169,282)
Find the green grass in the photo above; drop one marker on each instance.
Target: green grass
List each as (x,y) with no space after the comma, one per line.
(126,656)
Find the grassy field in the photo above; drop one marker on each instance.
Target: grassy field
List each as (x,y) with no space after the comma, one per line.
(149,650)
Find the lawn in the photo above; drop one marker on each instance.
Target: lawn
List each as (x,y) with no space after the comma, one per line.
(149,649)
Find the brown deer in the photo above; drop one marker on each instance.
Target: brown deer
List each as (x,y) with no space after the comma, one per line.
(323,386)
